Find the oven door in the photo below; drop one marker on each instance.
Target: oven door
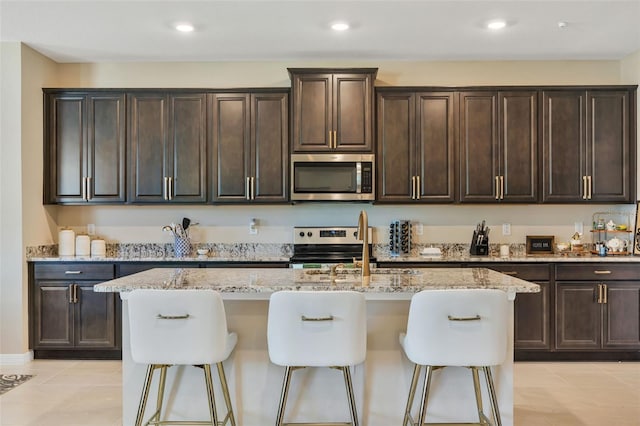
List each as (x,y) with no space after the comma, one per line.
(325,177)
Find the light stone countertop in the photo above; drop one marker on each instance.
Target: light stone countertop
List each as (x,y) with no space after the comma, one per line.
(198,259)
(552,258)
(391,283)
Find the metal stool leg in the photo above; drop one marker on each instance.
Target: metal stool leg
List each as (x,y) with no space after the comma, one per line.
(145,394)
(283,395)
(225,393)
(352,402)
(425,395)
(160,396)
(210,396)
(476,387)
(492,394)
(412,394)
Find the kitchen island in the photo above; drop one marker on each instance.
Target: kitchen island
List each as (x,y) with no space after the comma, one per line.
(381,383)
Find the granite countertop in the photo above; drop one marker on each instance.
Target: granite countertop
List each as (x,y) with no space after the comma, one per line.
(550,258)
(264,281)
(199,259)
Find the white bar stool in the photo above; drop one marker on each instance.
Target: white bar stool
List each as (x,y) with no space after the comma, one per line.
(317,329)
(180,327)
(463,328)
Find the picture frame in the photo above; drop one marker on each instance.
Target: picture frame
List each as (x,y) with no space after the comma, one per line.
(540,244)
(636,232)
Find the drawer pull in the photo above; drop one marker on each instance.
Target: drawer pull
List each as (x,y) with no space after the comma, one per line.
(510,272)
(329,318)
(476,318)
(604,272)
(172,317)
(72,272)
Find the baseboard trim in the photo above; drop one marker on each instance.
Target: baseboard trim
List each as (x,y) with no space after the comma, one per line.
(16,359)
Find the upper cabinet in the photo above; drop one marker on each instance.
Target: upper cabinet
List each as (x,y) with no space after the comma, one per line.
(498,146)
(332,109)
(415,146)
(588,155)
(167,147)
(249,141)
(84,147)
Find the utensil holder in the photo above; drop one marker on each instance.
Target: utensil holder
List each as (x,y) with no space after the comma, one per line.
(182,246)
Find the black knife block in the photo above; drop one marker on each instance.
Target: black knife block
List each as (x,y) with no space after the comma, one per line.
(479,244)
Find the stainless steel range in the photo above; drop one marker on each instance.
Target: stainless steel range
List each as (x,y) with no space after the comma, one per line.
(327,245)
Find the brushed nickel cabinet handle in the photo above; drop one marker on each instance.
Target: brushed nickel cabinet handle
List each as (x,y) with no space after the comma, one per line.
(173,317)
(72,272)
(84,189)
(70,293)
(88,188)
(253,188)
(605,293)
(475,318)
(75,293)
(497,187)
(602,272)
(316,319)
(501,187)
(599,300)
(330,140)
(589,182)
(413,187)
(171,190)
(584,187)
(335,139)
(418,187)
(248,188)
(165,191)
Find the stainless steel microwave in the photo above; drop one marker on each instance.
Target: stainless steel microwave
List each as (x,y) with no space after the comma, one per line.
(337,177)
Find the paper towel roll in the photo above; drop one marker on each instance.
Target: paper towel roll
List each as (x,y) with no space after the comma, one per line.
(98,248)
(83,245)
(66,243)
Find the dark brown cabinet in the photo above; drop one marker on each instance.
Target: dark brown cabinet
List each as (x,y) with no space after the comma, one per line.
(415,133)
(498,146)
(587,151)
(597,307)
(332,109)
(249,147)
(167,147)
(67,318)
(84,147)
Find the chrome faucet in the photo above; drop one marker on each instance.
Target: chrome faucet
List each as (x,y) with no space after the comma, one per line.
(363,234)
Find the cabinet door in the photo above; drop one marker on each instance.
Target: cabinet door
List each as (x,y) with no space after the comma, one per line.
(563,146)
(478,147)
(577,316)
(269,146)
(148,146)
(609,165)
(95,317)
(186,161)
(621,315)
(396,146)
(65,148)
(434,140)
(531,319)
(352,112)
(231,167)
(518,158)
(105,148)
(52,315)
(312,113)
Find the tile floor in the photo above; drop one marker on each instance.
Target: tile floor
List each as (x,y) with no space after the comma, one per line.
(88,393)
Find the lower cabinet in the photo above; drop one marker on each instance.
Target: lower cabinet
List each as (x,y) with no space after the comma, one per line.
(597,308)
(67,318)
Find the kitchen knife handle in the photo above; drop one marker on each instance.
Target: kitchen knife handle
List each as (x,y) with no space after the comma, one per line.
(417,187)
(497,187)
(502,187)
(164,191)
(248,188)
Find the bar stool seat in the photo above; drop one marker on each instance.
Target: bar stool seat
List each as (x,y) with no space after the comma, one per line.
(461,328)
(180,327)
(317,329)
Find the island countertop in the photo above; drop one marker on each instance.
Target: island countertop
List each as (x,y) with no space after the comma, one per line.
(260,282)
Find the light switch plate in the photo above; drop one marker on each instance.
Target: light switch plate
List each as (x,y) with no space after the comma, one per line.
(578,227)
(419,228)
(506,229)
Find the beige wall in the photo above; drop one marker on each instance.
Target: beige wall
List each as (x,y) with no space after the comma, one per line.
(24,221)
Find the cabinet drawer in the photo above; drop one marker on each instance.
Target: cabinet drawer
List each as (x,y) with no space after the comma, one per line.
(597,272)
(74,271)
(526,272)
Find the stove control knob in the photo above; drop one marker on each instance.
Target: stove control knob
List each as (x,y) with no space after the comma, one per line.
(301,234)
(309,234)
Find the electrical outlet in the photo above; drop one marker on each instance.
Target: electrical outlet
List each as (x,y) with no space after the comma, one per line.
(506,229)
(578,227)
(253,227)
(419,228)
(91,229)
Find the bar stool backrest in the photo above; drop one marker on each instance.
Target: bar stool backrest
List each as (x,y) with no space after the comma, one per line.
(178,327)
(317,328)
(457,327)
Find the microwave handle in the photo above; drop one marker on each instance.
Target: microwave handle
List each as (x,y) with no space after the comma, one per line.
(359,177)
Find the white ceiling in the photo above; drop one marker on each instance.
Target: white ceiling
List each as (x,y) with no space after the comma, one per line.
(240,30)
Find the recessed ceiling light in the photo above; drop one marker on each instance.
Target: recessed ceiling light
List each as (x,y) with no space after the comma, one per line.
(184,27)
(339,26)
(562,24)
(496,25)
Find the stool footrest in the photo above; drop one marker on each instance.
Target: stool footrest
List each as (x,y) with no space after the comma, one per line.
(319,424)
